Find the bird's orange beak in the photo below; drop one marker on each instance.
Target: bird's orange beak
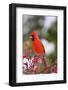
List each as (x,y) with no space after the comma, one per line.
(30,37)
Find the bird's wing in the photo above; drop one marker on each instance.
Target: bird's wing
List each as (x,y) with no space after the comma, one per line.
(43,48)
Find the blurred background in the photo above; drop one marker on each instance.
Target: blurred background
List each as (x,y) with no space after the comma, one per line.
(46,29)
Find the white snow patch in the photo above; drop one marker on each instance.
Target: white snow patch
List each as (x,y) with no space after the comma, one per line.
(49,47)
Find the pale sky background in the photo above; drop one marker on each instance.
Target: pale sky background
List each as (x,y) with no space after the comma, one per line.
(49,20)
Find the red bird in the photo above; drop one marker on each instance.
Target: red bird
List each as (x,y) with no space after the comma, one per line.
(37,45)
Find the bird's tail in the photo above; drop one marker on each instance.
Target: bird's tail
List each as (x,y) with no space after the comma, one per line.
(44,65)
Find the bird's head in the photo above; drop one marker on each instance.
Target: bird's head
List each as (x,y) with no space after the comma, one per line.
(33,36)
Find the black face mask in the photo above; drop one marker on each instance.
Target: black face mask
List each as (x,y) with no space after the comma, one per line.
(32,37)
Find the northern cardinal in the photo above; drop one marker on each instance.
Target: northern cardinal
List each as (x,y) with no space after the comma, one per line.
(38,47)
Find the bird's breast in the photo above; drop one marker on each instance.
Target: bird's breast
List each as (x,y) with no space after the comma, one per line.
(38,47)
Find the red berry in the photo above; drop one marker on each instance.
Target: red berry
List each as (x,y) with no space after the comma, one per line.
(54,69)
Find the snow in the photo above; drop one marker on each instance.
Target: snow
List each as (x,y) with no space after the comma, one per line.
(49,47)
